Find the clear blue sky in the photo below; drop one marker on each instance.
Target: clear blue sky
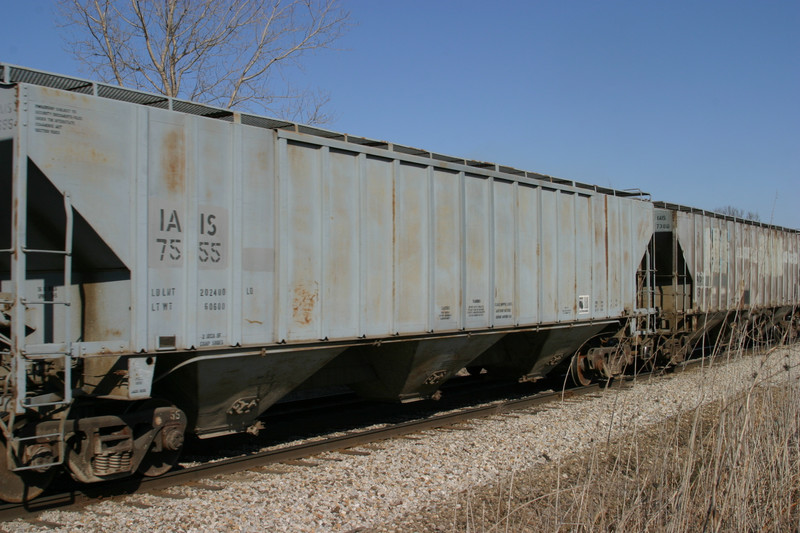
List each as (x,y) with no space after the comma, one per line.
(696,102)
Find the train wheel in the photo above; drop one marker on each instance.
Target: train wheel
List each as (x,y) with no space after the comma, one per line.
(160,459)
(22,486)
(579,370)
(155,464)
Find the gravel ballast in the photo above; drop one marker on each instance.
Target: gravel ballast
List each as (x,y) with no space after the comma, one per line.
(403,479)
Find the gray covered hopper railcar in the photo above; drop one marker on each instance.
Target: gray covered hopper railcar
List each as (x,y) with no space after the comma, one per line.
(173,267)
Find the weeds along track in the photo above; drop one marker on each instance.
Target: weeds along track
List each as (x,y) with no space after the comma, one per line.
(730,463)
(308,453)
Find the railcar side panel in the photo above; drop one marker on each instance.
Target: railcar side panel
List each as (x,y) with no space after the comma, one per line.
(600,249)
(302,225)
(257,220)
(210,224)
(565,261)
(548,273)
(411,249)
(616,269)
(169,153)
(528,254)
(584,279)
(478,256)
(377,259)
(628,264)
(341,294)
(504,225)
(448,276)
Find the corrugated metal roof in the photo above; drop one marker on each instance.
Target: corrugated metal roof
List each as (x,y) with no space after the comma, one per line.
(14,74)
(265,122)
(127,95)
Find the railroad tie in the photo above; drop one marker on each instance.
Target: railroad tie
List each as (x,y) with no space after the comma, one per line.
(353,452)
(203,486)
(138,505)
(168,495)
(299,462)
(44,523)
(270,470)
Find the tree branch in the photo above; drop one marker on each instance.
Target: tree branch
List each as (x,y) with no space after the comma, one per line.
(219,52)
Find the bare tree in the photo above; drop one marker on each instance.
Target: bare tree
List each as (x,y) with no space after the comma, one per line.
(229,53)
(738,213)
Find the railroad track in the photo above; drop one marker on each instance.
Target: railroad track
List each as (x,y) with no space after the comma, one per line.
(87,494)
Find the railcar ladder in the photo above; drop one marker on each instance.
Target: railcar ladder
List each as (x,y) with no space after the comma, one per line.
(644,323)
(29,355)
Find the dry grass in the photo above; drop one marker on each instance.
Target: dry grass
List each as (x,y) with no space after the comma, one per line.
(733,465)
